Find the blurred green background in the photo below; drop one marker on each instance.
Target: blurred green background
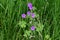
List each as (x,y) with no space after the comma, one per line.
(10,14)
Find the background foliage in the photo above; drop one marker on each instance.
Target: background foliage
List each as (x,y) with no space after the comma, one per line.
(10,14)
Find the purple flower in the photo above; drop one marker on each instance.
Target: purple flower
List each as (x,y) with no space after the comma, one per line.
(30,6)
(33,28)
(33,15)
(23,15)
(28,13)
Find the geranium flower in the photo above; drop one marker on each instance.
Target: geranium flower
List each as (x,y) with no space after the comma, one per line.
(23,15)
(33,28)
(33,15)
(30,6)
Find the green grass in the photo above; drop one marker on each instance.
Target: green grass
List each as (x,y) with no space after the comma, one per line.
(10,14)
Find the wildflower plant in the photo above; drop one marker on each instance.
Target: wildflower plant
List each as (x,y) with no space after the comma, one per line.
(33,25)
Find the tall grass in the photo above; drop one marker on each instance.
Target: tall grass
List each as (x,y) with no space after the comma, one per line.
(10,14)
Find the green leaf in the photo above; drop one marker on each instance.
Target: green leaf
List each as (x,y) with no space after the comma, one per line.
(47,36)
(22,24)
(34,8)
(27,33)
(39,28)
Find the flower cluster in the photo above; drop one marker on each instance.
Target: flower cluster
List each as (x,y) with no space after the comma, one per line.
(29,13)
(33,22)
